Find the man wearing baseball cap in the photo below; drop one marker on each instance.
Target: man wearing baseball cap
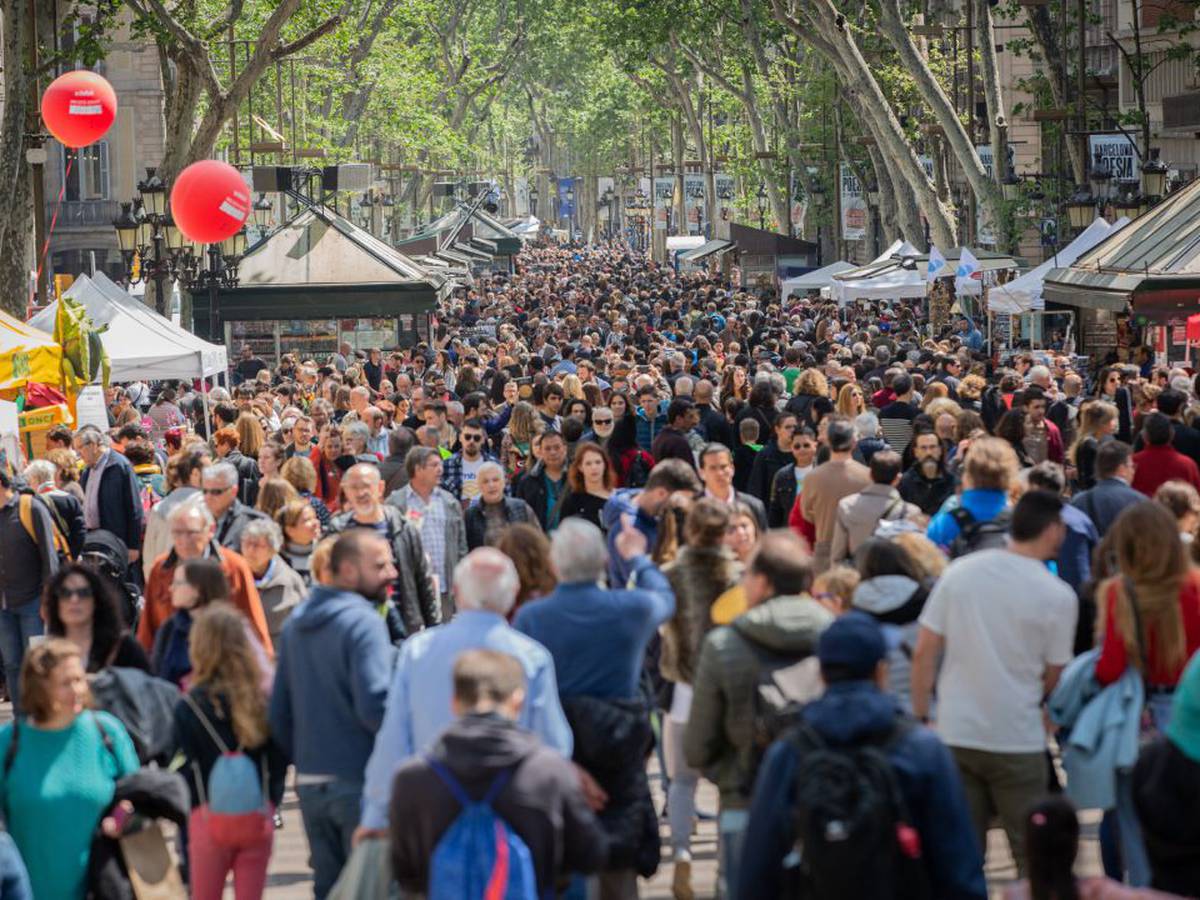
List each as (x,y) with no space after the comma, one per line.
(856,711)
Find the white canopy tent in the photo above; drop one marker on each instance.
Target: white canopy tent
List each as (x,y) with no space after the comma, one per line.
(889,277)
(1024,294)
(141,344)
(814,280)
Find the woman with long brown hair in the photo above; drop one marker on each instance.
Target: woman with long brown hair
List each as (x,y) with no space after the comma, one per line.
(1149,620)
(591,480)
(735,383)
(225,710)
(251,435)
(1097,423)
(529,549)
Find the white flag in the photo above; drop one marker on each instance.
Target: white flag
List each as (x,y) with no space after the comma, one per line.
(937,264)
(968,279)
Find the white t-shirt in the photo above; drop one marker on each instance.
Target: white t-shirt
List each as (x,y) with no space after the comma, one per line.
(470,473)
(1005,618)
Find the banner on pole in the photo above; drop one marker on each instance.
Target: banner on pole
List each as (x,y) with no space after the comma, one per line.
(693,201)
(664,192)
(854,206)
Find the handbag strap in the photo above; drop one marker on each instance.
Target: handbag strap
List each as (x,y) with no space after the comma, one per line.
(208,726)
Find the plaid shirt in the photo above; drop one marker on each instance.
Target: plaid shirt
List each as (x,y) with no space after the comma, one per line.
(430,520)
(452,473)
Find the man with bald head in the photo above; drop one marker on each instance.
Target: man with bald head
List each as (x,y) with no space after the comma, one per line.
(413,591)
(714,427)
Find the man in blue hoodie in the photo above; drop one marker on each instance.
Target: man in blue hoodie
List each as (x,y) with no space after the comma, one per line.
(332,673)
(854,711)
(644,507)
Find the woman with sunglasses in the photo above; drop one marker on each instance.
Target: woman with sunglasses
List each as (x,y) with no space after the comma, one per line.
(1110,388)
(82,605)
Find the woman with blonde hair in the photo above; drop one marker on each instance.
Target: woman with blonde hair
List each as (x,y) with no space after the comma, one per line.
(250,434)
(1183,502)
(1098,422)
(850,401)
(572,387)
(225,710)
(810,386)
(1149,620)
(66,472)
(935,390)
(516,448)
(301,474)
(989,471)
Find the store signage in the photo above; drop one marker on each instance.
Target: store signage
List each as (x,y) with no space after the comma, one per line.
(854,206)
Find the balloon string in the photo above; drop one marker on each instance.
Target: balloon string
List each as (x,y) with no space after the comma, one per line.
(62,192)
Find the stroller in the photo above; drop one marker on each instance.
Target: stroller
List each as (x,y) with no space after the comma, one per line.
(107,554)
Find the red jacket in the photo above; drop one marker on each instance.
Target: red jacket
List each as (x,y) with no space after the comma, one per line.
(1114,658)
(801,525)
(1155,466)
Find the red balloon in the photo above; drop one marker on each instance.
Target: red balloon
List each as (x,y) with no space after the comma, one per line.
(210,201)
(79,107)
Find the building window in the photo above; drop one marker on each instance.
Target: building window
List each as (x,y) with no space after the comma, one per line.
(89,175)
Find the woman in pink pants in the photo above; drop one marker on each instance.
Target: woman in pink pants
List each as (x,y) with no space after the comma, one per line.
(225,711)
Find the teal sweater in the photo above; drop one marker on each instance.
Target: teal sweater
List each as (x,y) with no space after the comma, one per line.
(60,783)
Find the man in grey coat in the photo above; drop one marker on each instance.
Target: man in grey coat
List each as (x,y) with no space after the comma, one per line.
(859,514)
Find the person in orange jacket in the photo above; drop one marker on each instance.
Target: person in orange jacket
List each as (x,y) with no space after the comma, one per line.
(192,529)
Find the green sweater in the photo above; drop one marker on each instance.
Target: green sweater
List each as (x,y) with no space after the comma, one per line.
(59,784)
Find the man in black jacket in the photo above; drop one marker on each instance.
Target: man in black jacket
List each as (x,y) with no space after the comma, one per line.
(112,498)
(221,496)
(713,424)
(27,562)
(672,442)
(927,484)
(774,455)
(542,800)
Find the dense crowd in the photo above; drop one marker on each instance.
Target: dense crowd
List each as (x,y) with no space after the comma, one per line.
(612,523)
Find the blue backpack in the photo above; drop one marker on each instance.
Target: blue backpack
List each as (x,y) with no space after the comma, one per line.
(235,804)
(479,857)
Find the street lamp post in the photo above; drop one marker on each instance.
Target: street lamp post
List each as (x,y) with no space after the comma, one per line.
(533,199)
(158,240)
(571,211)
(607,199)
(762,206)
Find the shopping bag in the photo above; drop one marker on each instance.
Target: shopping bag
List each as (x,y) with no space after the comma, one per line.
(367,874)
(152,871)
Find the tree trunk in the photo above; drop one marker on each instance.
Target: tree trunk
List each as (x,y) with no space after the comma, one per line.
(677,155)
(824,30)
(16,208)
(1055,62)
(987,193)
(1004,225)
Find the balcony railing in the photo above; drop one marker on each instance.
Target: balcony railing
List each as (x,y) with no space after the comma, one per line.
(84,213)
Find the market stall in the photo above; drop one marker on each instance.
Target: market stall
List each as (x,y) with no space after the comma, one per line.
(892,276)
(141,344)
(814,280)
(1139,284)
(318,281)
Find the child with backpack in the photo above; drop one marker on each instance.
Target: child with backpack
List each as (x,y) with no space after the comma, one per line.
(235,771)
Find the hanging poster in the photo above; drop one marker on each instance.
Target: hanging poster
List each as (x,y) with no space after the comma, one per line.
(1117,152)
(693,201)
(664,192)
(854,206)
(566,198)
(985,232)
(521,196)
(797,203)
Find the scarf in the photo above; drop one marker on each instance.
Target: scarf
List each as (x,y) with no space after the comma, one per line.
(176,664)
(91,497)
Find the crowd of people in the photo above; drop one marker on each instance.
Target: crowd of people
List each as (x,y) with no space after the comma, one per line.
(611,524)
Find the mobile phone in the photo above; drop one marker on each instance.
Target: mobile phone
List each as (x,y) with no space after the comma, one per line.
(121,816)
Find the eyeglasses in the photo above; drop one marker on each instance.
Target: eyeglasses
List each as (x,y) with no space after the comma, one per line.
(602,421)
(473,438)
(216,492)
(186,532)
(82,593)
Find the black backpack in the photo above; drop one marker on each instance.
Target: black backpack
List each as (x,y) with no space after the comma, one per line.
(854,836)
(639,472)
(975,535)
(784,685)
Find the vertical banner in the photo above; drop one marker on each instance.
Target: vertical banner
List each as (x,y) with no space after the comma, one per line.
(985,231)
(724,187)
(566,205)
(520,198)
(797,205)
(664,192)
(693,201)
(1116,151)
(854,206)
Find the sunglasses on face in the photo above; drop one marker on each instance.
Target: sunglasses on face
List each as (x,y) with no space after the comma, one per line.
(473,438)
(81,593)
(602,421)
